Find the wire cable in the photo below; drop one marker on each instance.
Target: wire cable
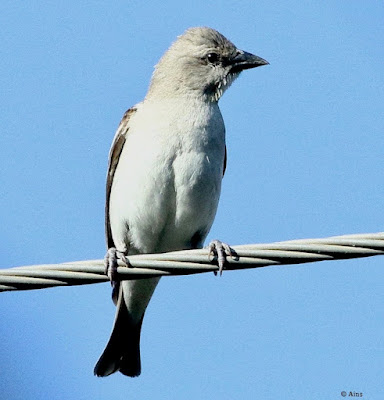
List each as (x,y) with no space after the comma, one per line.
(194,261)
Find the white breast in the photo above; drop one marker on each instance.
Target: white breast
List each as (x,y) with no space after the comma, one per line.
(167,183)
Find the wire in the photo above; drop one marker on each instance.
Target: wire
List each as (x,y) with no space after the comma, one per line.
(194,261)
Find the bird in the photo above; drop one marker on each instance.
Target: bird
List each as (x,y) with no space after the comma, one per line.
(165,169)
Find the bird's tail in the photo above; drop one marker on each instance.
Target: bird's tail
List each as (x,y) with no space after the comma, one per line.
(122,352)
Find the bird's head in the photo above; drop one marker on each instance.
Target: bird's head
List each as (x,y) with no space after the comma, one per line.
(200,62)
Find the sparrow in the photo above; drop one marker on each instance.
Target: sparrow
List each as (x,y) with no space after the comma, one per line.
(166,165)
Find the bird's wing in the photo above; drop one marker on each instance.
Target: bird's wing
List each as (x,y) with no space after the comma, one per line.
(225,161)
(114,156)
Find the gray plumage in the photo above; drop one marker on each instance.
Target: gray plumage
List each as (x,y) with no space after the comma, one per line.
(164,176)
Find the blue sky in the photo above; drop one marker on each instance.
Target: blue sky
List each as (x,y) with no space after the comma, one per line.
(305,146)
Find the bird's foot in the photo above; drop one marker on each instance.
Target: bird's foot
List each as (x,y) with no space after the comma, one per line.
(110,262)
(220,251)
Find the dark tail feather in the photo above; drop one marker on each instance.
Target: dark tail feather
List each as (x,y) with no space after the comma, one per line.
(130,363)
(122,352)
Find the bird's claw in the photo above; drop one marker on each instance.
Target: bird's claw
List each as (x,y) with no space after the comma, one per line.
(110,262)
(220,250)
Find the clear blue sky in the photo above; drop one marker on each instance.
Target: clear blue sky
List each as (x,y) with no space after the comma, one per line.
(305,146)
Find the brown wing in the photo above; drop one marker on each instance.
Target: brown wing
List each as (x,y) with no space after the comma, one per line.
(114,156)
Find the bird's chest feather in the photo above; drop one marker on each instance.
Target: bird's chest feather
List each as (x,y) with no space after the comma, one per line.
(168,179)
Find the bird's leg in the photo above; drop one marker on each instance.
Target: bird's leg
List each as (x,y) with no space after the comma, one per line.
(110,262)
(220,250)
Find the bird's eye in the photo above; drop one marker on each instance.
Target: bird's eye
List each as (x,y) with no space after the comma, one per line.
(213,58)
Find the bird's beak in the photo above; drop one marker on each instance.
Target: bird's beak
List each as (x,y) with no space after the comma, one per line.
(244,60)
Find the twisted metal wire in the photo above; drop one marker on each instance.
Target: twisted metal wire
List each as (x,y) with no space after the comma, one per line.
(194,261)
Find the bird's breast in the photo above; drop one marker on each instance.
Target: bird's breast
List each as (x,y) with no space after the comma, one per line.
(168,180)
